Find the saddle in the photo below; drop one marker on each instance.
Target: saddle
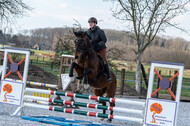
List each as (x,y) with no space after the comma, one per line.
(101,61)
(102,72)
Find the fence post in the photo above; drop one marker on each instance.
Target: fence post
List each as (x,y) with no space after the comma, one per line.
(174,85)
(51,65)
(1,61)
(122,81)
(170,72)
(158,85)
(144,76)
(37,59)
(148,70)
(61,71)
(31,61)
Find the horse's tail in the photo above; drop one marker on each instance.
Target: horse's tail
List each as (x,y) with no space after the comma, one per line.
(115,82)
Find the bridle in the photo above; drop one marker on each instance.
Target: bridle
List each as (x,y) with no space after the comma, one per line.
(81,51)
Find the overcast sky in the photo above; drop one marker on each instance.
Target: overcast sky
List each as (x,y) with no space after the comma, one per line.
(60,13)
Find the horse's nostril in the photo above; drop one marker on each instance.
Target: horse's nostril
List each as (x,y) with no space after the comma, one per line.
(76,57)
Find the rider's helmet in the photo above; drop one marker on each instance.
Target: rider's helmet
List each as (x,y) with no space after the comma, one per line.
(92,19)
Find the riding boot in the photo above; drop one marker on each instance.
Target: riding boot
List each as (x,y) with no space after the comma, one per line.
(79,77)
(108,72)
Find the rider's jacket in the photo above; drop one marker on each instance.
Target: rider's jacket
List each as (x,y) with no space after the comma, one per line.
(97,38)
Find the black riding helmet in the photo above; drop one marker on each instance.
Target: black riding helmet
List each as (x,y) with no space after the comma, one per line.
(93,19)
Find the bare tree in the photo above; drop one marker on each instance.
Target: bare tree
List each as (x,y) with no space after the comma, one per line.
(116,50)
(146,19)
(12,9)
(63,42)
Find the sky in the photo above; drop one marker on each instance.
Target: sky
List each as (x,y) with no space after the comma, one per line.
(61,13)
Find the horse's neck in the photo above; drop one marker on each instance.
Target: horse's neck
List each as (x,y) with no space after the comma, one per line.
(93,61)
(90,58)
(87,42)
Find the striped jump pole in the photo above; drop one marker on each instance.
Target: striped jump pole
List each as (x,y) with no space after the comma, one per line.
(36,101)
(92,114)
(91,97)
(87,105)
(35,83)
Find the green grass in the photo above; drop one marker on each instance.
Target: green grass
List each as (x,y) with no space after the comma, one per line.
(42,52)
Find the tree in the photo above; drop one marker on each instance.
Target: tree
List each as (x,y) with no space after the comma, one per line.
(15,40)
(63,43)
(1,37)
(12,9)
(147,18)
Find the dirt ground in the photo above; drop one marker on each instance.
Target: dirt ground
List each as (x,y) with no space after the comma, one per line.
(37,74)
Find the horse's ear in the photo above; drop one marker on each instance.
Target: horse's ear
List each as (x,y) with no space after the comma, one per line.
(84,34)
(75,33)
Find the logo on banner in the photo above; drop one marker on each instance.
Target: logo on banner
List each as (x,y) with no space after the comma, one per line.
(7,88)
(156,108)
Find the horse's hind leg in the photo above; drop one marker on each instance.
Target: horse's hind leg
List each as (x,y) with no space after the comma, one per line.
(111,93)
(101,93)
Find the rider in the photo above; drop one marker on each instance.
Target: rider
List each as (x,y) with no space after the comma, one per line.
(98,40)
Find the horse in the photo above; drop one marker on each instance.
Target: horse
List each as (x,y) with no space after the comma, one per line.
(88,65)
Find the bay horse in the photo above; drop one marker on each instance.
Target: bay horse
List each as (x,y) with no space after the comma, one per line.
(88,65)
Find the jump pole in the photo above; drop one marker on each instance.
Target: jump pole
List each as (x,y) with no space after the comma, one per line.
(91,97)
(35,83)
(93,114)
(36,101)
(80,104)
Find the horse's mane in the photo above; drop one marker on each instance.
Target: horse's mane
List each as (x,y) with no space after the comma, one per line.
(87,42)
(83,34)
(88,45)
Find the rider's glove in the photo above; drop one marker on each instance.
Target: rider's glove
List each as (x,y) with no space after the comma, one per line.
(101,43)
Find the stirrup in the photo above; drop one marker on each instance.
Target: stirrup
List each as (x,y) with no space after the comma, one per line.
(110,79)
(79,77)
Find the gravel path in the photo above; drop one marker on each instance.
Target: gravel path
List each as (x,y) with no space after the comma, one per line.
(6,110)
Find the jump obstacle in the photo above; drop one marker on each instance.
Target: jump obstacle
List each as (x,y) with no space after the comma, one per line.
(64,79)
(65,82)
(166,109)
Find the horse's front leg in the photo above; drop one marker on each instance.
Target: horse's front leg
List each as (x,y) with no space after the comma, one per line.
(86,73)
(73,65)
(78,69)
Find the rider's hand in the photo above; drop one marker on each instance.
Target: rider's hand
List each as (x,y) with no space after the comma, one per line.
(101,43)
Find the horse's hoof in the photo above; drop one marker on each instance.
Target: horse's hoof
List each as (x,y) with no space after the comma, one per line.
(78,92)
(86,86)
(79,77)
(71,75)
(109,120)
(58,97)
(102,119)
(72,79)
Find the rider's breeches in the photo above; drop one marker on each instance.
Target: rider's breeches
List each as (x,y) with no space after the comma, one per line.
(102,53)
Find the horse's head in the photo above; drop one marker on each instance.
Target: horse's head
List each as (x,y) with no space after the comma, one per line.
(82,43)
